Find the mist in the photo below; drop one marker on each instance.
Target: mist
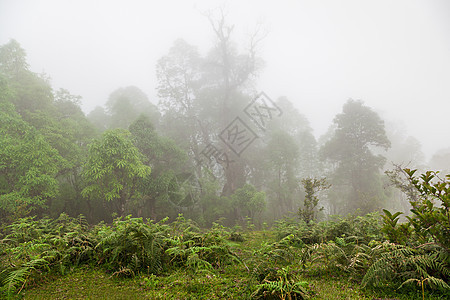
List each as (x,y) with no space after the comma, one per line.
(392,55)
(232,150)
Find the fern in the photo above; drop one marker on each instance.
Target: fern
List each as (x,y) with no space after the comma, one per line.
(325,254)
(283,251)
(281,285)
(131,244)
(36,247)
(399,263)
(18,276)
(196,264)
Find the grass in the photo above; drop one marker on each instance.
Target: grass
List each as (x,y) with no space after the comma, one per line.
(96,284)
(85,284)
(228,282)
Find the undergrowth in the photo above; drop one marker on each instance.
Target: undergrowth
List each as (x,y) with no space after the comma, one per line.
(368,254)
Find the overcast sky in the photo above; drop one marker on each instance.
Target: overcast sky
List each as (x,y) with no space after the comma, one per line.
(392,54)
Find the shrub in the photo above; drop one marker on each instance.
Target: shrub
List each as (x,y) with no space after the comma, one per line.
(131,245)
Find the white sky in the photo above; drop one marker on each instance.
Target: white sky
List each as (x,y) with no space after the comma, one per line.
(392,54)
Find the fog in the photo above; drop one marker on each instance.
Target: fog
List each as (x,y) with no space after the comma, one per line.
(393,55)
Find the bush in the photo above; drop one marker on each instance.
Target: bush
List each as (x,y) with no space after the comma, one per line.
(281,284)
(131,245)
(419,250)
(35,247)
(361,229)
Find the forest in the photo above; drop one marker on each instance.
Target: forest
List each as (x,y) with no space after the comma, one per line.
(212,191)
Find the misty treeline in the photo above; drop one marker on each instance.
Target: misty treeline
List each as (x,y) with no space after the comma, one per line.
(133,157)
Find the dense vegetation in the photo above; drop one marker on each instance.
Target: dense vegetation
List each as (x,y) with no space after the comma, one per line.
(147,192)
(289,261)
(363,250)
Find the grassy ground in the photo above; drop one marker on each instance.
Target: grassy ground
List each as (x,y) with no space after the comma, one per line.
(230,282)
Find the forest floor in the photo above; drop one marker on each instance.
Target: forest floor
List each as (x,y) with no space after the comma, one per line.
(230,282)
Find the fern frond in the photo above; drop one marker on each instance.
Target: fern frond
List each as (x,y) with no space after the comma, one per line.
(19,275)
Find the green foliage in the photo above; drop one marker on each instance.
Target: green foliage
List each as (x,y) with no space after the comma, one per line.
(236,237)
(133,245)
(282,182)
(355,228)
(248,200)
(181,260)
(32,248)
(402,264)
(419,248)
(212,206)
(48,118)
(30,92)
(283,250)
(342,256)
(125,105)
(18,276)
(167,179)
(151,281)
(13,62)
(282,284)
(337,246)
(201,252)
(357,173)
(395,232)
(99,119)
(113,168)
(431,212)
(312,186)
(45,167)
(128,247)
(12,59)
(28,166)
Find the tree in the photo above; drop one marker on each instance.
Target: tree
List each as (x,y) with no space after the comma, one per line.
(30,92)
(291,121)
(288,151)
(200,96)
(69,131)
(248,201)
(113,169)
(5,90)
(165,158)
(312,186)
(28,166)
(282,180)
(54,117)
(441,160)
(405,149)
(13,59)
(297,126)
(356,168)
(126,104)
(99,118)
(179,75)
(309,160)
(229,75)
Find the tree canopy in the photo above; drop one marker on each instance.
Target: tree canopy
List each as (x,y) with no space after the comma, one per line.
(113,168)
(356,167)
